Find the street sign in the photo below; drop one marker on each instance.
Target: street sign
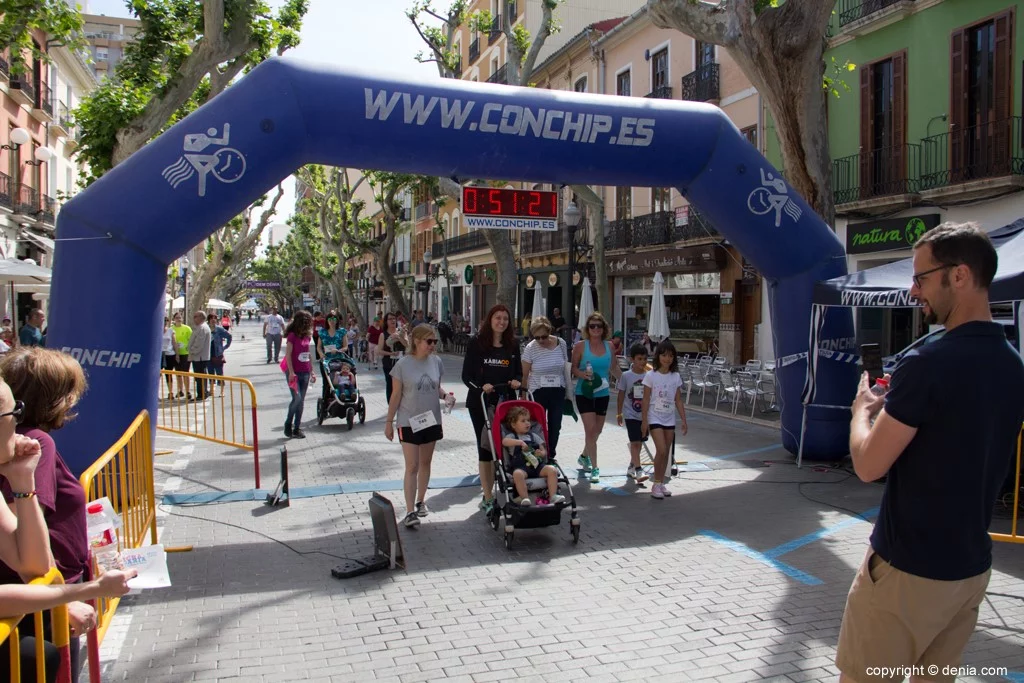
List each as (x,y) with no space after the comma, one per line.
(507,209)
(262,284)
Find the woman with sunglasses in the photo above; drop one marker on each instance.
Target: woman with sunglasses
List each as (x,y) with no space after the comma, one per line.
(331,338)
(50,383)
(415,406)
(544,374)
(593,351)
(492,359)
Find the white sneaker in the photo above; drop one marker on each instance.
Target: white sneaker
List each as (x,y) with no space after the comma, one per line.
(559,498)
(658,491)
(639,476)
(411,520)
(665,491)
(523,502)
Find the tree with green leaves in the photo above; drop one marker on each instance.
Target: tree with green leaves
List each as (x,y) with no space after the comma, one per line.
(779,45)
(280,263)
(387,191)
(523,51)
(185,53)
(19,19)
(231,245)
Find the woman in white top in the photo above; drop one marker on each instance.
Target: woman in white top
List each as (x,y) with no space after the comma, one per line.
(544,374)
(169,356)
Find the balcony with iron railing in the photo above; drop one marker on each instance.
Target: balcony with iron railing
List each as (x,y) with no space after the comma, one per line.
(422,210)
(401,268)
(44,101)
(22,89)
(474,51)
(854,10)
(986,151)
(6,191)
(662,92)
(875,174)
(495,31)
(47,209)
(500,76)
(702,85)
(62,120)
(538,242)
(5,67)
(459,244)
(658,228)
(26,200)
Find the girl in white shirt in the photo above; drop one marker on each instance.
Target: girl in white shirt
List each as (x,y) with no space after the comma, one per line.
(662,400)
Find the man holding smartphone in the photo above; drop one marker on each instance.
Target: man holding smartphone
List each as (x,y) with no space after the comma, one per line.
(945,433)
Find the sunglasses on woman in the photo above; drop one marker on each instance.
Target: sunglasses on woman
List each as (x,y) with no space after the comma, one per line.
(430,341)
(544,338)
(18,413)
(596,326)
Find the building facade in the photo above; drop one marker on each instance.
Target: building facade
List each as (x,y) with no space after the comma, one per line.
(108,37)
(930,131)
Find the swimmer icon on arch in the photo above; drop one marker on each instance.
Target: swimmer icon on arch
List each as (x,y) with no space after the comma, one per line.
(227,164)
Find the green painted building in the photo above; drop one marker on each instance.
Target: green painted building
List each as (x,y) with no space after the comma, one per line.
(930,129)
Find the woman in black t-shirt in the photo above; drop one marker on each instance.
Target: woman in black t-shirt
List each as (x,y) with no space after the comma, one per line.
(491,359)
(390,348)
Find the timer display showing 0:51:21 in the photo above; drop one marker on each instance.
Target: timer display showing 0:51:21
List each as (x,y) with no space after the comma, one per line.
(483,201)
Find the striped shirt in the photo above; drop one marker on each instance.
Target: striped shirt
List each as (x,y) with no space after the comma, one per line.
(547,365)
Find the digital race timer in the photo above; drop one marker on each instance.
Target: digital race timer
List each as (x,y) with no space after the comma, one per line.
(485,201)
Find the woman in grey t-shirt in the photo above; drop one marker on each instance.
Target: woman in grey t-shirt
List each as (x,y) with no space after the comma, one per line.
(415,405)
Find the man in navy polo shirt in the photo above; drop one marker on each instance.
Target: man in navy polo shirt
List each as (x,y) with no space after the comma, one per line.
(945,434)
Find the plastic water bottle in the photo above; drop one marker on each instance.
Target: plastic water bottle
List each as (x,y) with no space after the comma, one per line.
(102,539)
(449,403)
(880,387)
(590,369)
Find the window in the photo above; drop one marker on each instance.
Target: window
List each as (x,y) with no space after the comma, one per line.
(580,85)
(750,133)
(623,202)
(447,226)
(101,54)
(661,199)
(882,126)
(659,71)
(622,84)
(456,225)
(705,54)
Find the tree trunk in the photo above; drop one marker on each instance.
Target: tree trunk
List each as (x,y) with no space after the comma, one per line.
(596,217)
(505,262)
(781,50)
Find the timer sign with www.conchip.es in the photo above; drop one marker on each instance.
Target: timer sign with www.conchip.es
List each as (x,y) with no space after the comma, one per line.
(484,201)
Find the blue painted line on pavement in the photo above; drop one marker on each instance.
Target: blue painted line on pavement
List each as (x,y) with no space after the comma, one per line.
(1015,677)
(790,571)
(313,491)
(752,451)
(820,534)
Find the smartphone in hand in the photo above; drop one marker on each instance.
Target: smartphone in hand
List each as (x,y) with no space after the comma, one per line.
(871,361)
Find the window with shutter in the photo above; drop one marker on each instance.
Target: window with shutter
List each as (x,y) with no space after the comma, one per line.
(623,202)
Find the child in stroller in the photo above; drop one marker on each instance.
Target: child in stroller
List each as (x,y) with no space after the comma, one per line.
(341,394)
(527,458)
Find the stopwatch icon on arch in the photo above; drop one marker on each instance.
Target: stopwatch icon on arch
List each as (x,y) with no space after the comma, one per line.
(229,165)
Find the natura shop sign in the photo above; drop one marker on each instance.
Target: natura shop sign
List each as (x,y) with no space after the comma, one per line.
(888,234)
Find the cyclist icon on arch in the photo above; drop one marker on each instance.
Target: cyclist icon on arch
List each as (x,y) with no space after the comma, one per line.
(226,164)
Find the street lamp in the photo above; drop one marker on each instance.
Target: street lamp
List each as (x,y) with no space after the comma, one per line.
(572,215)
(184,288)
(42,155)
(433,273)
(19,137)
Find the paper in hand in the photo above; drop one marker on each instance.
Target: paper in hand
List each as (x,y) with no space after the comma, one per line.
(151,564)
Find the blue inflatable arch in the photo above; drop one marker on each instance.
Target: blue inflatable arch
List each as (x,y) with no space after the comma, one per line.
(173,193)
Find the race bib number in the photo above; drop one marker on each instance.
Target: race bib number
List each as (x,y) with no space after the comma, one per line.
(331,348)
(549,381)
(417,423)
(663,403)
(304,357)
(638,392)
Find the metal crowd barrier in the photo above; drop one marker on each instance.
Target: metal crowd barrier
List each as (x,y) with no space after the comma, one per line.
(61,638)
(124,474)
(1014,536)
(227,417)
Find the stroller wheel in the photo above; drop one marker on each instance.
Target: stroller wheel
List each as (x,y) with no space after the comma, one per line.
(319,411)
(494,517)
(350,417)
(508,540)
(574,529)
(362,411)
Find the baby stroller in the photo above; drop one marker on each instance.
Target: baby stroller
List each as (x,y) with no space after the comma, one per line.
(339,401)
(515,516)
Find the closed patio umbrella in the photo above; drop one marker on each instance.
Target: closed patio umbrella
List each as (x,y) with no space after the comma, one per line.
(658,328)
(586,306)
(538,301)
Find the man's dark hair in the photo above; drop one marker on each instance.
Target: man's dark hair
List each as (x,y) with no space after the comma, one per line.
(954,244)
(637,350)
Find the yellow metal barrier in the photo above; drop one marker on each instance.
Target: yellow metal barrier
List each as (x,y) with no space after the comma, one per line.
(227,417)
(61,637)
(1013,536)
(124,474)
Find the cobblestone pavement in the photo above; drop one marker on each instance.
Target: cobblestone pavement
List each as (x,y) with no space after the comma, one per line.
(741,576)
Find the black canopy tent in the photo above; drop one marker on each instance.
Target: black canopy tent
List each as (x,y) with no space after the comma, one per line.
(888,286)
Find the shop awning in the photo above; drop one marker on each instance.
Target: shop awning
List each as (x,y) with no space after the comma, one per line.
(888,286)
(23,273)
(44,243)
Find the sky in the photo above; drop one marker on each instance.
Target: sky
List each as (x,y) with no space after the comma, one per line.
(338,32)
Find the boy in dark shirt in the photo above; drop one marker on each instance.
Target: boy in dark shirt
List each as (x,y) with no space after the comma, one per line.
(945,437)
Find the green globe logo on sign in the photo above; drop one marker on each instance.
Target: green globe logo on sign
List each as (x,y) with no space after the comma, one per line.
(914,230)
